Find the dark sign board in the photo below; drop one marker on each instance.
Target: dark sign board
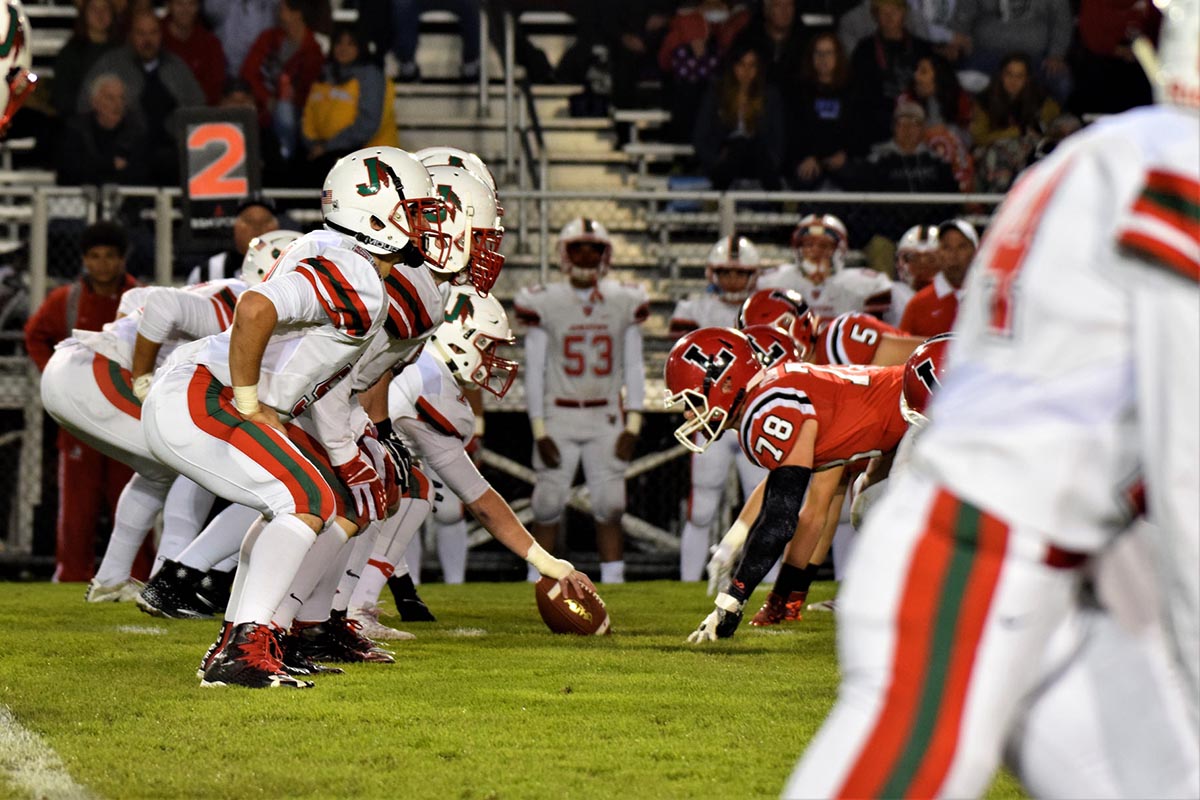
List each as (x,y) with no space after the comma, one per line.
(219,167)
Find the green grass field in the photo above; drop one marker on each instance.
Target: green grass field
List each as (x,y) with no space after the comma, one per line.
(486,703)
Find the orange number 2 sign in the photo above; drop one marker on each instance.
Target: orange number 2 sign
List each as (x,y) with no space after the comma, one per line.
(209,177)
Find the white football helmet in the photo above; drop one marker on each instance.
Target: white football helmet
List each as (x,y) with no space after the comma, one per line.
(474,325)
(1174,69)
(455,157)
(736,253)
(262,254)
(472,225)
(16,60)
(824,226)
(383,198)
(918,243)
(579,231)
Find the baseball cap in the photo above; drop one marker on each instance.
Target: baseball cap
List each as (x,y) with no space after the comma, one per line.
(963,227)
(252,200)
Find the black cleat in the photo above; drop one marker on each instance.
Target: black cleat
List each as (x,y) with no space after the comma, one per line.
(410,605)
(336,639)
(214,588)
(214,648)
(251,658)
(297,663)
(172,593)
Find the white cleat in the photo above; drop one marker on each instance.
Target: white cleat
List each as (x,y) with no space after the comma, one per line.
(824,605)
(372,628)
(123,592)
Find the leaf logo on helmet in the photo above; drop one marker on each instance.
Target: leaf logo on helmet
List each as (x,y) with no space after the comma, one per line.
(462,309)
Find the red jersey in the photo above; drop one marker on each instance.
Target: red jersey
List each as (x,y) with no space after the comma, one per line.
(851,338)
(857,410)
(932,310)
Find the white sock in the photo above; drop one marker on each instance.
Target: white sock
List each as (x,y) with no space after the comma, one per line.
(693,552)
(187,506)
(139,504)
(321,558)
(364,545)
(220,539)
(374,577)
(239,577)
(452,551)
(412,556)
(320,600)
(274,561)
(612,571)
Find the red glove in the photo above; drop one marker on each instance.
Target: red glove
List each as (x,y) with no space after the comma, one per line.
(382,460)
(365,486)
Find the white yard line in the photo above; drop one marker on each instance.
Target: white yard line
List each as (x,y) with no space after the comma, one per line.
(31,765)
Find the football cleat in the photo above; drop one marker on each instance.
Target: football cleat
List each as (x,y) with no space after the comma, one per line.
(368,619)
(252,658)
(122,592)
(336,639)
(410,605)
(795,607)
(214,588)
(773,612)
(296,663)
(171,593)
(214,648)
(824,605)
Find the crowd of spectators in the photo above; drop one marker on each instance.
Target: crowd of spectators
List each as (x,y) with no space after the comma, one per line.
(895,95)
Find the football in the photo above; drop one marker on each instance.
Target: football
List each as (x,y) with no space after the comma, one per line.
(584,617)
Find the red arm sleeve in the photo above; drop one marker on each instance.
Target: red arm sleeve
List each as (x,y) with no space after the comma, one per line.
(47,327)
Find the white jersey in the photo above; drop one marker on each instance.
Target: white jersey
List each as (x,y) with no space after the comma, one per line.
(848,290)
(586,329)
(705,310)
(432,415)
(165,315)
(416,307)
(1037,417)
(330,302)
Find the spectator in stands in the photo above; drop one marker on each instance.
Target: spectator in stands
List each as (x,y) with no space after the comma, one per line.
(87,480)
(641,26)
(94,35)
(780,38)
(1108,79)
(1008,122)
(108,143)
(905,163)
(882,66)
(185,35)
(255,216)
(1040,29)
(739,128)
(406,25)
(822,127)
(690,55)
(932,310)
(281,68)
(935,88)
(925,20)
(238,24)
(349,108)
(157,83)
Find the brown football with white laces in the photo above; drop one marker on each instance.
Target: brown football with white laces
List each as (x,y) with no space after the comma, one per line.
(585,616)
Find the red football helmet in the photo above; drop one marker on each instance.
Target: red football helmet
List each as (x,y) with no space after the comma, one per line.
(772,345)
(923,374)
(708,371)
(783,308)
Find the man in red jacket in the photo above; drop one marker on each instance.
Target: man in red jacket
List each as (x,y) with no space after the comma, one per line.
(933,309)
(86,480)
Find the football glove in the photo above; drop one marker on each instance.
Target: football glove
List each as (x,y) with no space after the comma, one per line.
(721,623)
(720,568)
(381,459)
(403,460)
(365,487)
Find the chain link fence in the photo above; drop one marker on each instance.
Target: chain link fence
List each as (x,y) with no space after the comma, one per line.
(660,239)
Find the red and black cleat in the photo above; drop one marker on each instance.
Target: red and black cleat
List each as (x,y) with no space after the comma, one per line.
(252,658)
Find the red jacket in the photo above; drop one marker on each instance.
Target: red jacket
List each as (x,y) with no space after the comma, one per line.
(262,69)
(48,325)
(932,310)
(205,57)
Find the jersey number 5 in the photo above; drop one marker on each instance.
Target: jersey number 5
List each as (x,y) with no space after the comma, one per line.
(577,348)
(777,428)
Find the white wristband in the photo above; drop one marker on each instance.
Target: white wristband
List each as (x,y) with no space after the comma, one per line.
(727,602)
(539,427)
(633,422)
(246,400)
(479,426)
(141,386)
(735,538)
(547,564)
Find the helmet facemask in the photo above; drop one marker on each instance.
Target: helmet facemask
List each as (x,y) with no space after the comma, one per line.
(708,422)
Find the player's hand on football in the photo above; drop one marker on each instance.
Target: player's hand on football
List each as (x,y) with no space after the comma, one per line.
(365,486)
(721,623)
(720,568)
(577,584)
(548,450)
(265,415)
(626,444)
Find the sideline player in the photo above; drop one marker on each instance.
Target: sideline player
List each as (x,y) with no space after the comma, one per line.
(583,344)
(916,264)
(1075,368)
(800,422)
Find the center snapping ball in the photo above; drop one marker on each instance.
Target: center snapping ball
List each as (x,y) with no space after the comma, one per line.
(584,616)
